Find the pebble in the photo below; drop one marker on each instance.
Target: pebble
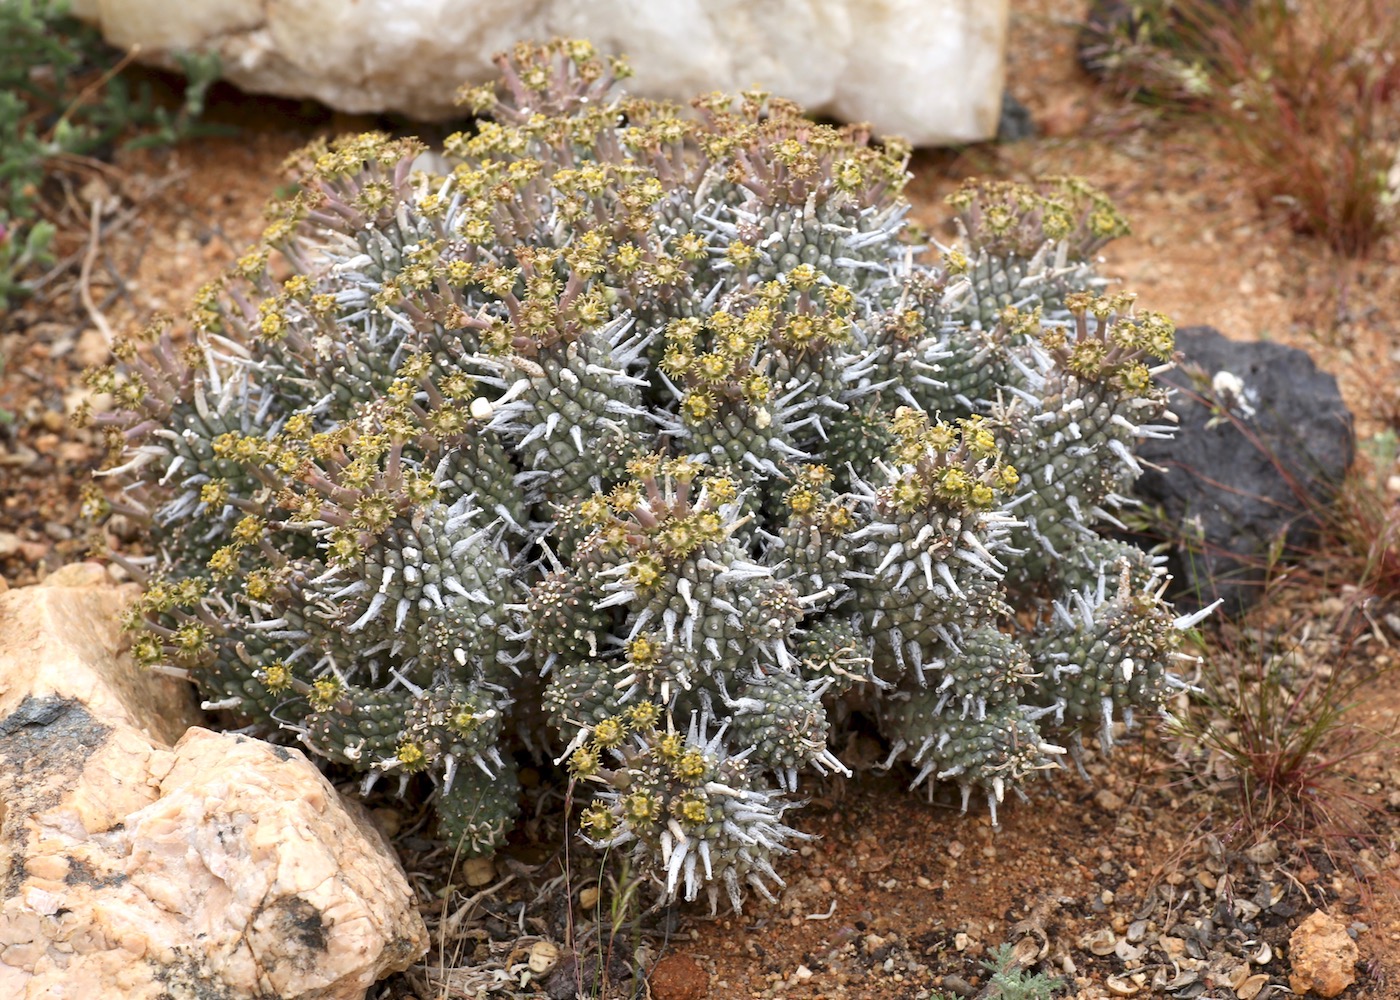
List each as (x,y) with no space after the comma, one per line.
(21,455)
(1263,853)
(9,543)
(91,349)
(958,986)
(1101,942)
(1182,979)
(678,977)
(588,898)
(955,849)
(1127,952)
(544,956)
(1121,987)
(1249,989)
(1108,801)
(389,821)
(1137,930)
(479,871)
(1323,956)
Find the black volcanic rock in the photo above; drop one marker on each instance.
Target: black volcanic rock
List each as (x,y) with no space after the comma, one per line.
(1264,443)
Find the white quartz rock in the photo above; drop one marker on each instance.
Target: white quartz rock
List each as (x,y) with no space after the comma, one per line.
(929,70)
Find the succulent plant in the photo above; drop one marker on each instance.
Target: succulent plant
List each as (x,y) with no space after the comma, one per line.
(643,442)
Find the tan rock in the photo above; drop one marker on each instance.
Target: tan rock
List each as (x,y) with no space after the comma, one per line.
(223,865)
(62,638)
(131,868)
(1322,955)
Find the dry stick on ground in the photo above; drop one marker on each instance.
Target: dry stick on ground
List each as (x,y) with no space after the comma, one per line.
(85,275)
(117,223)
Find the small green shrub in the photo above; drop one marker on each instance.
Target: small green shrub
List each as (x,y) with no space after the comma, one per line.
(61,96)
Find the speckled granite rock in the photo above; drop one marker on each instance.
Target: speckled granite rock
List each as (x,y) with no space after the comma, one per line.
(930,70)
(221,867)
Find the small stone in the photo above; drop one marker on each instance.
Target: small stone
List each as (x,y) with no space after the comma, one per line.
(1249,989)
(1182,980)
(92,348)
(1100,942)
(1263,853)
(1247,909)
(20,455)
(958,986)
(1323,956)
(1137,930)
(544,956)
(9,543)
(955,849)
(479,871)
(588,898)
(389,821)
(1108,801)
(1127,952)
(679,977)
(1237,976)
(802,972)
(1207,880)
(961,941)
(1121,987)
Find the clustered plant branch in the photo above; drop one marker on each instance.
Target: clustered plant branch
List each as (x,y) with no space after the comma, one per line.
(641,442)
